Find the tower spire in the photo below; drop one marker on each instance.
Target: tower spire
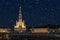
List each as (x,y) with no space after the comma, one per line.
(20,11)
(20,14)
(20,23)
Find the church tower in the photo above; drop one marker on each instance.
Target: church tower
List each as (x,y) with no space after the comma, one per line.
(20,24)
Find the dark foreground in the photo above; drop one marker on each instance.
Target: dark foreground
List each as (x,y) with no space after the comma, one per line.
(31,36)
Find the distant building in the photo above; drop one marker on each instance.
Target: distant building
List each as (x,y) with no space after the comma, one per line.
(39,30)
(20,24)
(4,30)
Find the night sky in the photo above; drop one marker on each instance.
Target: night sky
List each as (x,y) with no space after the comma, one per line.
(35,12)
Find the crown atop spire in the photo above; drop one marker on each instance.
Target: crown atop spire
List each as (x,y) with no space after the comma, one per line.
(20,7)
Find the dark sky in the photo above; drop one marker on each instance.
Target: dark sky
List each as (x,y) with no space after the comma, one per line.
(35,12)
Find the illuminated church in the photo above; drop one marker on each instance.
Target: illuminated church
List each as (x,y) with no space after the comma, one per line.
(21,27)
(20,24)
